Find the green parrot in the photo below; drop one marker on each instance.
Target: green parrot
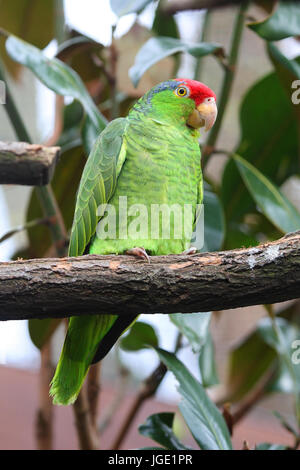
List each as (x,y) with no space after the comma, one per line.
(148,159)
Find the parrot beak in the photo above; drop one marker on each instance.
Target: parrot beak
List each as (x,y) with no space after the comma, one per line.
(203,116)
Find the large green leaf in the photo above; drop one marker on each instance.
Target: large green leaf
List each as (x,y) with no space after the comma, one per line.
(164,25)
(159,428)
(27,19)
(203,418)
(269,141)
(283,22)
(141,335)
(269,198)
(57,76)
(158,48)
(194,326)
(124,7)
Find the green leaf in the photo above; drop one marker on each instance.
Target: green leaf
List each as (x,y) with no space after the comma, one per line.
(269,198)
(203,418)
(141,335)
(268,446)
(194,326)
(248,362)
(269,141)
(164,25)
(57,76)
(158,48)
(280,334)
(207,365)
(40,331)
(124,7)
(214,222)
(159,428)
(282,23)
(29,23)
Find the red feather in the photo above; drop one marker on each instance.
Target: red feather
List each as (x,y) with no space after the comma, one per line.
(198,91)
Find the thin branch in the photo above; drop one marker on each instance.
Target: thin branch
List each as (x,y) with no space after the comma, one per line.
(147,390)
(117,400)
(93,391)
(44,415)
(229,74)
(122,285)
(87,437)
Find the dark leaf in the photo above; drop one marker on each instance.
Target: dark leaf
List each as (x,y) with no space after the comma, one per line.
(159,428)
(141,335)
(207,365)
(269,141)
(214,222)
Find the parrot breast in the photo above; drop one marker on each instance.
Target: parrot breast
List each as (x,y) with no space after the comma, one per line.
(162,167)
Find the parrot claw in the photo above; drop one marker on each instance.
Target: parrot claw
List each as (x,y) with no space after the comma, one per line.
(190,251)
(139,252)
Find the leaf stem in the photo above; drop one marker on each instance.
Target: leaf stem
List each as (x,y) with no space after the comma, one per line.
(44,193)
(229,75)
(203,36)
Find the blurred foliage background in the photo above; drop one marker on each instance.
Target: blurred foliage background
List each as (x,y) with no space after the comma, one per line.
(248,54)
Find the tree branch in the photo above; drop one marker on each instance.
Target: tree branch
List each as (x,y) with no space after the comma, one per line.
(27,164)
(63,287)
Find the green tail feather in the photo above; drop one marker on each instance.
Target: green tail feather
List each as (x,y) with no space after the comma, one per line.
(83,337)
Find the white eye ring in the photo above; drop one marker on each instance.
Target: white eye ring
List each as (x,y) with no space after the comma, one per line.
(210,99)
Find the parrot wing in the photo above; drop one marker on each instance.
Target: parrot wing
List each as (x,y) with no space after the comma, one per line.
(98,183)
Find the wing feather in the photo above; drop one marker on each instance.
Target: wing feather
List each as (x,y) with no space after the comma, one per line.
(98,183)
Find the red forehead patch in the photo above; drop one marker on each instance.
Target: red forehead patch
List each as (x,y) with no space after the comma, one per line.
(198,91)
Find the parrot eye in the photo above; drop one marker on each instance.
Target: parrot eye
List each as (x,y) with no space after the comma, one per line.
(182,91)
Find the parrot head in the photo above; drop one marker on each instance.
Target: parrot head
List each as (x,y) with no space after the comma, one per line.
(185,99)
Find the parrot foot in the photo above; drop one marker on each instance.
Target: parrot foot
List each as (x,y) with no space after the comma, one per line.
(139,252)
(190,251)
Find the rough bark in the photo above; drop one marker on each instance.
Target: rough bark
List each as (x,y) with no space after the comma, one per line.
(26,164)
(63,287)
